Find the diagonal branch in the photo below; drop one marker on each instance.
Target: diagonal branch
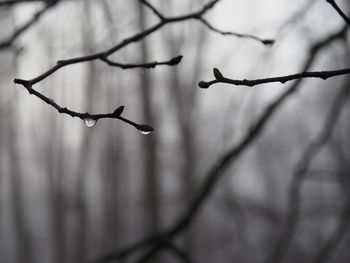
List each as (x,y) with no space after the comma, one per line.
(20,30)
(340,12)
(28,84)
(160,240)
(294,196)
(153,9)
(217,171)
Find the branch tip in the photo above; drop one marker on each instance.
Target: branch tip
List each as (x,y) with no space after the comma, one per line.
(203,84)
(175,60)
(217,74)
(118,111)
(269,42)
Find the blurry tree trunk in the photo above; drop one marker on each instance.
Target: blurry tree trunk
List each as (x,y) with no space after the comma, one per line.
(112,171)
(151,190)
(113,167)
(183,90)
(53,156)
(55,188)
(81,228)
(24,247)
(9,141)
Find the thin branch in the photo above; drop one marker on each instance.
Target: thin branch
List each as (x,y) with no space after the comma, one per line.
(20,30)
(294,196)
(172,62)
(28,84)
(89,119)
(282,79)
(153,9)
(212,28)
(340,12)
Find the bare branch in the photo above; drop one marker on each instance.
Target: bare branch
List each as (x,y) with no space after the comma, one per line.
(153,9)
(172,62)
(340,12)
(219,78)
(89,119)
(212,28)
(28,84)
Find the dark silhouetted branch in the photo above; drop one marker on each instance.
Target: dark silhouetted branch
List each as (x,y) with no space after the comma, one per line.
(88,119)
(28,84)
(153,9)
(219,78)
(212,28)
(172,62)
(340,12)
(294,194)
(103,56)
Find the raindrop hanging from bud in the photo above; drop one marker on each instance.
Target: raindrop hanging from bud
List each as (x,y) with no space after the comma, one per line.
(145,129)
(89,122)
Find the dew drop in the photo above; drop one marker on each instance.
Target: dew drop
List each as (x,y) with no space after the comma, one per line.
(144,132)
(145,129)
(89,122)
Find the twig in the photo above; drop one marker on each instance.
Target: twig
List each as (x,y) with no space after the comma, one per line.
(153,9)
(212,28)
(340,12)
(172,62)
(282,79)
(28,84)
(89,119)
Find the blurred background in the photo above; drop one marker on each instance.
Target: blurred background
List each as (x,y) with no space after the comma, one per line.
(69,193)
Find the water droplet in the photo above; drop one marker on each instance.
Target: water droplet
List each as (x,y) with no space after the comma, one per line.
(145,132)
(89,122)
(145,129)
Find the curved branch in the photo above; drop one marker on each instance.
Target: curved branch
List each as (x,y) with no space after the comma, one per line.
(300,173)
(212,28)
